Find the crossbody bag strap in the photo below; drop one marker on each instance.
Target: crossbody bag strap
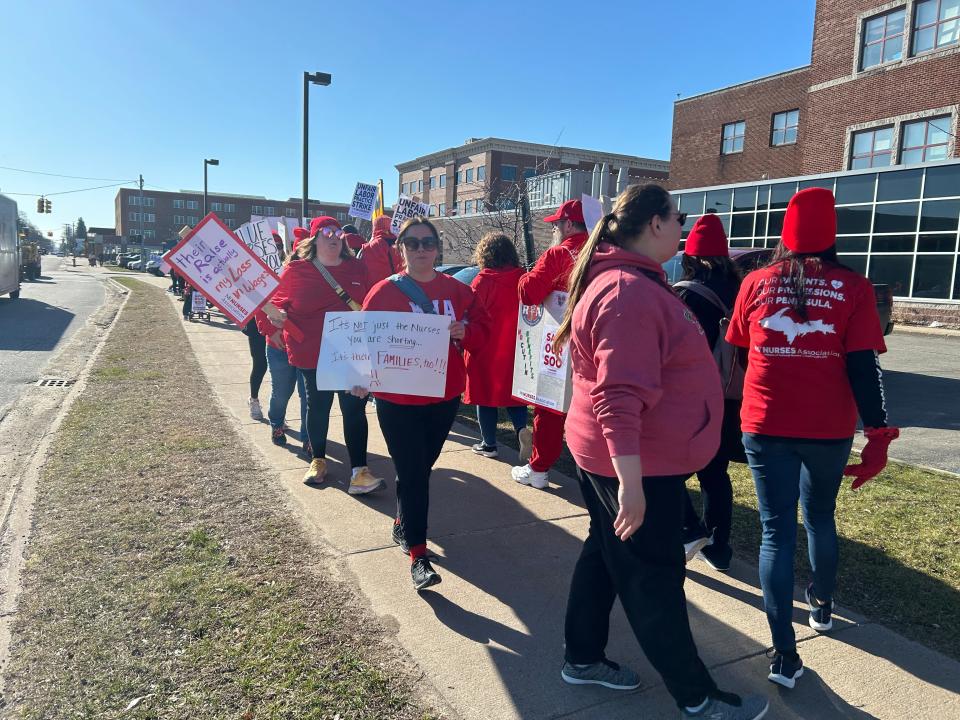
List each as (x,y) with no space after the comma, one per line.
(704,292)
(332,281)
(413,291)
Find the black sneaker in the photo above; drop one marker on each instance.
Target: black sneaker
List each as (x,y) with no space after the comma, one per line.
(489,451)
(784,670)
(278,437)
(399,539)
(423,574)
(821,618)
(716,556)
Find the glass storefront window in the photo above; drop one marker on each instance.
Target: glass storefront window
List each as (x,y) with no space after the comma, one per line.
(744,198)
(741,242)
(775,226)
(688,225)
(897,217)
(692,203)
(719,201)
(855,189)
(858,263)
(780,195)
(856,243)
(943,181)
(760,226)
(940,216)
(956,283)
(854,219)
(893,243)
(826,183)
(901,185)
(892,270)
(931,277)
(742,226)
(937,243)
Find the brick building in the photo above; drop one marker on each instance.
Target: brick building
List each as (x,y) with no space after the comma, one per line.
(882,88)
(164,213)
(481,173)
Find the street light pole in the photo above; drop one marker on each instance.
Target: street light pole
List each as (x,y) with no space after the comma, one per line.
(205,163)
(143,238)
(317,78)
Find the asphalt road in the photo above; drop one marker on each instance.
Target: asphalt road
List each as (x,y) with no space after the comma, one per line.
(922,380)
(33,327)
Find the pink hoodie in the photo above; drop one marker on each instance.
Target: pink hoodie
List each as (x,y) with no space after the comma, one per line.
(644,380)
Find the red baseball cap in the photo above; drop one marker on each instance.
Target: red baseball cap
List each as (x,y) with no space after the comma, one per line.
(707,238)
(571,210)
(810,225)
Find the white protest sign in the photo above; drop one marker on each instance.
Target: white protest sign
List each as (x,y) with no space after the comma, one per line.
(229,274)
(364,199)
(404,209)
(258,238)
(592,211)
(164,267)
(541,376)
(198,303)
(282,232)
(392,352)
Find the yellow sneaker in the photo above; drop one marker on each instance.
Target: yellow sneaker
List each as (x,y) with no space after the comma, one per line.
(317,472)
(364,482)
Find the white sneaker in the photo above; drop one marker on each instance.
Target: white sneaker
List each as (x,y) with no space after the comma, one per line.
(691,548)
(526,475)
(526,444)
(255,411)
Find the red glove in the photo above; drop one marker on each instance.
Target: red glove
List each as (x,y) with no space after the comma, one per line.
(873,457)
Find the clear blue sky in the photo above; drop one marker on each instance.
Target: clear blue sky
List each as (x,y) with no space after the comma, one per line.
(114,88)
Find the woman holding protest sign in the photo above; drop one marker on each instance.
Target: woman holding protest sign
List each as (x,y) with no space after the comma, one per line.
(324,277)
(645,414)
(490,371)
(416,427)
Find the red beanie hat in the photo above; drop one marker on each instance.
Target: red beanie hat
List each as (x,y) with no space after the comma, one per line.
(381,228)
(298,235)
(707,239)
(321,222)
(810,225)
(354,241)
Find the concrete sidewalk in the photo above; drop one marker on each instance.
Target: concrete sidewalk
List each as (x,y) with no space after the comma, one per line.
(489,639)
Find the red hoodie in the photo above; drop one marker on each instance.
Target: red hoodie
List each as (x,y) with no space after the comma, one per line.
(307,297)
(644,380)
(551,271)
(381,255)
(452,298)
(490,370)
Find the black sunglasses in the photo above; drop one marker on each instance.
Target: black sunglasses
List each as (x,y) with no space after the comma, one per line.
(415,243)
(682,219)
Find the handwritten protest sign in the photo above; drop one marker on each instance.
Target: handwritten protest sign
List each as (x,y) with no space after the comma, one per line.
(364,198)
(592,211)
(393,352)
(218,264)
(258,237)
(541,376)
(404,209)
(198,303)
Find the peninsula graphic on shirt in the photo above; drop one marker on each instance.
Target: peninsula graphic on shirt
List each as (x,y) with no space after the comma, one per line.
(793,329)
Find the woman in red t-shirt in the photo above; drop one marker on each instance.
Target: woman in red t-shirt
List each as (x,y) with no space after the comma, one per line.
(324,277)
(490,371)
(416,427)
(813,333)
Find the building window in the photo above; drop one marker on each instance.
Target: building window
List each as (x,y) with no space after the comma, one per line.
(193,205)
(458,178)
(289,212)
(216,207)
(529,173)
(420,186)
(733,137)
(433,181)
(442,208)
(178,204)
(785,126)
(443,180)
(133,200)
(178,220)
(341,216)
(193,220)
(508,173)
(133,232)
(872,148)
(481,173)
(134,216)
(149,217)
(149,202)
(468,207)
(883,39)
(269,211)
(936,23)
(469,175)
(230,223)
(925,140)
(256,210)
(149,234)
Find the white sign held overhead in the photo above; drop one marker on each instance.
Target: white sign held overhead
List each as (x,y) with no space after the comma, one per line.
(258,237)
(404,209)
(541,376)
(592,211)
(364,200)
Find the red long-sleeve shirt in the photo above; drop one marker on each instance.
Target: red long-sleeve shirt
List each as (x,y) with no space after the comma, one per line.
(551,271)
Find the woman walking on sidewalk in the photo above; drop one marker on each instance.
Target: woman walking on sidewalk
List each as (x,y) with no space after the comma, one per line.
(416,427)
(645,414)
(490,370)
(813,333)
(258,355)
(324,277)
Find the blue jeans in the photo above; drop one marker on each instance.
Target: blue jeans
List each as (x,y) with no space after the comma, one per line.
(487,418)
(283,376)
(786,471)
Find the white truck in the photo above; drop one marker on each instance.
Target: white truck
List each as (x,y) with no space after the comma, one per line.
(9,249)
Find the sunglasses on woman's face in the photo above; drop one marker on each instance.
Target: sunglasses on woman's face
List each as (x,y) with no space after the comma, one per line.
(681,218)
(329,232)
(417,243)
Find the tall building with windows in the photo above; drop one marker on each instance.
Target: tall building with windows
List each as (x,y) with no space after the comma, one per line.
(164,213)
(478,175)
(882,88)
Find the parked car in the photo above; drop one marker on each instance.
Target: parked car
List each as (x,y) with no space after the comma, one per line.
(450,269)
(749,259)
(154,263)
(124,260)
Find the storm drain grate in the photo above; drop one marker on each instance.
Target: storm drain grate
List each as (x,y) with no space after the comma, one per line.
(54,382)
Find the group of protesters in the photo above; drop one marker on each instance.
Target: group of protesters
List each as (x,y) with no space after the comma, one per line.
(772,369)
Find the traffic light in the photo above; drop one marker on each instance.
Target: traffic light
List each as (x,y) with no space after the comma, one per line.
(47,205)
(40,205)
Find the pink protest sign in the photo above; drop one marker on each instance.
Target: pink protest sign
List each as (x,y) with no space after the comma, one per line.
(218,264)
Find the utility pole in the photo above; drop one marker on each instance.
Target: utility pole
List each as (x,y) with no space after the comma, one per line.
(317,78)
(143,238)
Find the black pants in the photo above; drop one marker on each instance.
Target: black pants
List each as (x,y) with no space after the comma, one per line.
(354,412)
(716,493)
(258,353)
(647,573)
(415,435)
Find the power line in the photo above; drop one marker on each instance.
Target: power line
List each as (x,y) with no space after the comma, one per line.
(70,177)
(67,192)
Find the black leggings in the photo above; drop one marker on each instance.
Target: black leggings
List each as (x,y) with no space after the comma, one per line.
(354,412)
(258,353)
(647,573)
(415,435)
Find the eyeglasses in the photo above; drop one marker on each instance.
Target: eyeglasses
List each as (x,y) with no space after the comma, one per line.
(681,218)
(415,243)
(329,232)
